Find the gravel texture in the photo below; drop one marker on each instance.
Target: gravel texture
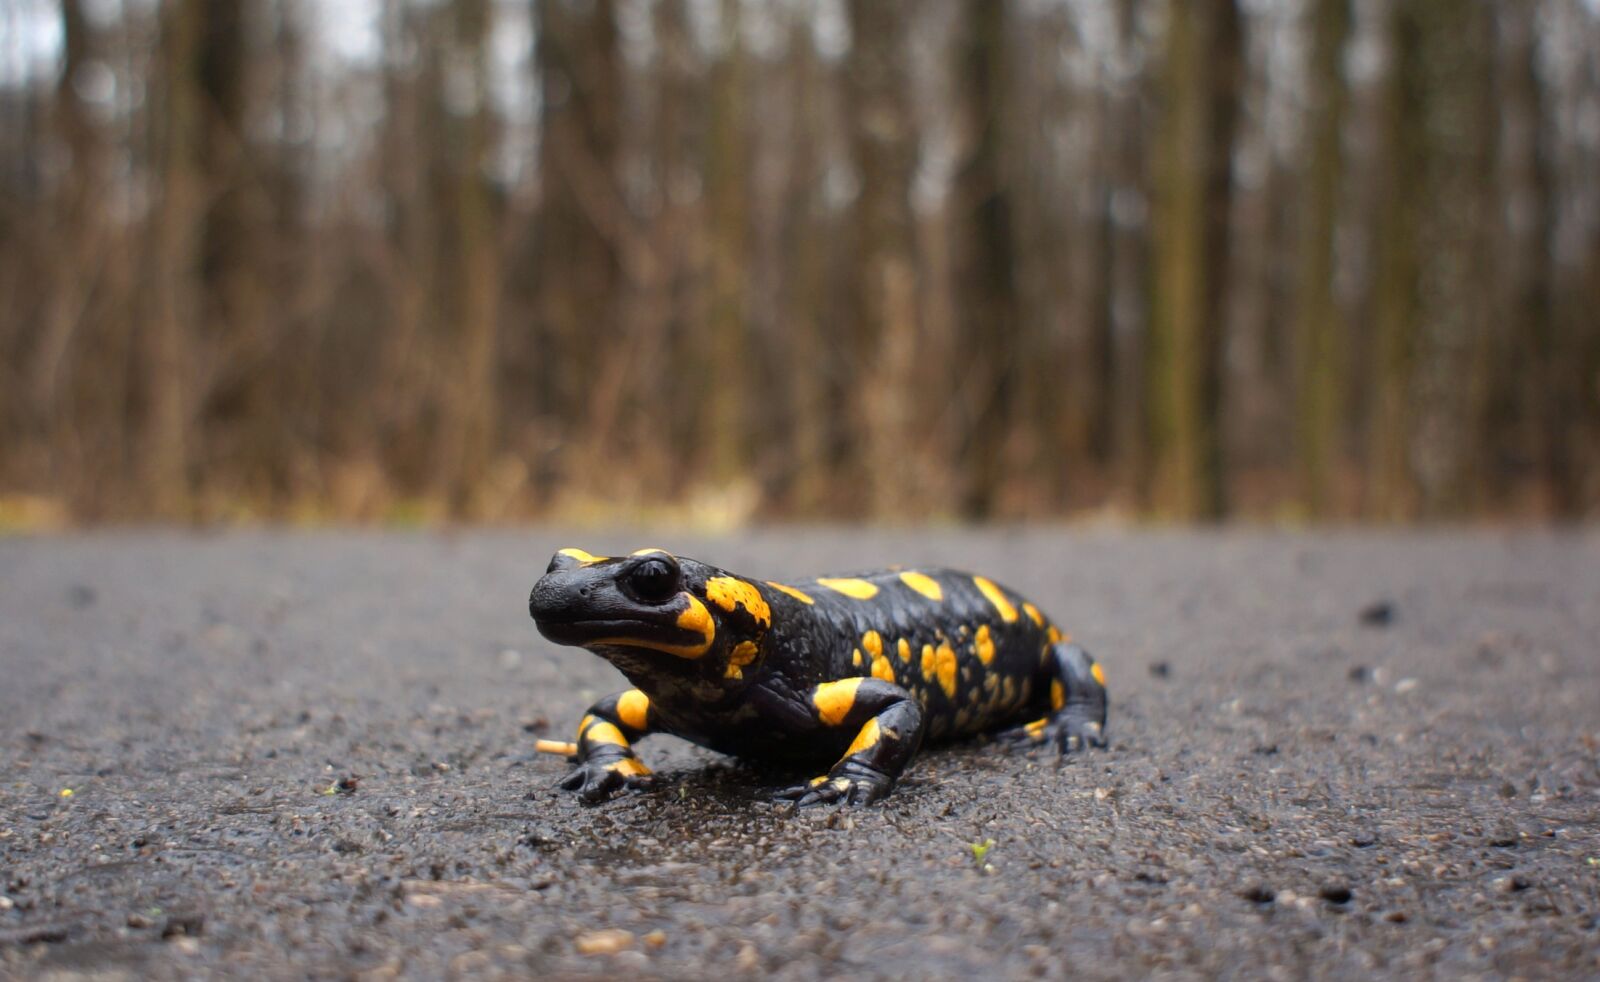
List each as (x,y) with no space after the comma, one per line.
(299,754)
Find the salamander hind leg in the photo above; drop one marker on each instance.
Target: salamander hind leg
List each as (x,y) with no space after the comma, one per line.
(1077,716)
(887,726)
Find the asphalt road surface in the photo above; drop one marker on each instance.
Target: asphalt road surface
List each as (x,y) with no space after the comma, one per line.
(310,754)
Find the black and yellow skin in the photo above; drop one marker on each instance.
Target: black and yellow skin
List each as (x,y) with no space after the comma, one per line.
(853,671)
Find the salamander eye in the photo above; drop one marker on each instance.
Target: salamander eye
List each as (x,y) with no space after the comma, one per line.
(653,580)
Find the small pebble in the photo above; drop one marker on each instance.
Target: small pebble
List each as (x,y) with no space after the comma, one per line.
(604,942)
(1161,670)
(1258,894)
(1337,894)
(748,959)
(1379,613)
(1404,685)
(656,938)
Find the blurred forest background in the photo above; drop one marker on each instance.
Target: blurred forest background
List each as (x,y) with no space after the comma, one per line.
(713,260)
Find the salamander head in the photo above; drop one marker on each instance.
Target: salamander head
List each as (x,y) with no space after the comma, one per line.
(651,612)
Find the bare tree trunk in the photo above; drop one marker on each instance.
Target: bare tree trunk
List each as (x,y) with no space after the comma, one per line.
(1195,186)
(1529,403)
(79,248)
(167,352)
(726,429)
(984,260)
(1128,235)
(883,147)
(808,329)
(1319,328)
(577,270)
(468,440)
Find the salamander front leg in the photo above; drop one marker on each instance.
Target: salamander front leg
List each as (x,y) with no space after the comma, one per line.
(1077,717)
(603,752)
(887,726)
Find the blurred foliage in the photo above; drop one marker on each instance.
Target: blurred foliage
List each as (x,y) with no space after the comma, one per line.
(707,262)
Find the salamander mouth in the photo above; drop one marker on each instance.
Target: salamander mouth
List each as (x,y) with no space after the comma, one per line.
(590,630)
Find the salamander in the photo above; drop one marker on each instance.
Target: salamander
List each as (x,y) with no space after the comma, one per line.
(851,671)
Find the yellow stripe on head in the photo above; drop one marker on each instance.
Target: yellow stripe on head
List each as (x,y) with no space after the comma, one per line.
(585,558)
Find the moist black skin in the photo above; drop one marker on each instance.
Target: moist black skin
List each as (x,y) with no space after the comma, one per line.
(846,673)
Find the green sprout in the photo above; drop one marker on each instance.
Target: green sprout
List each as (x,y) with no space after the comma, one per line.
(980,850)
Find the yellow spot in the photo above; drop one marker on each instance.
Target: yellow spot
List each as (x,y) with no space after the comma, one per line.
(646,552)
(1058,695)
(555,747)
(1008,613)
(873,642)
(855,657)
(923,584)
(866,739)
(581,556)
(603,732)
(727,592)
(1098,673)
(882,669)
(850,587)
(930,665)
(584,724)
(834,700)
(633,708)
(945,665)
(1008,690)
(904,648)
(819,780)
(629,766)
(1036,728)
(66,792)
(1033,614)
(983,644)
(791,591)
(742,654)
(1054,634)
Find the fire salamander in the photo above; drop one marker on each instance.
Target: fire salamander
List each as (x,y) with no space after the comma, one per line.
(854,670)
